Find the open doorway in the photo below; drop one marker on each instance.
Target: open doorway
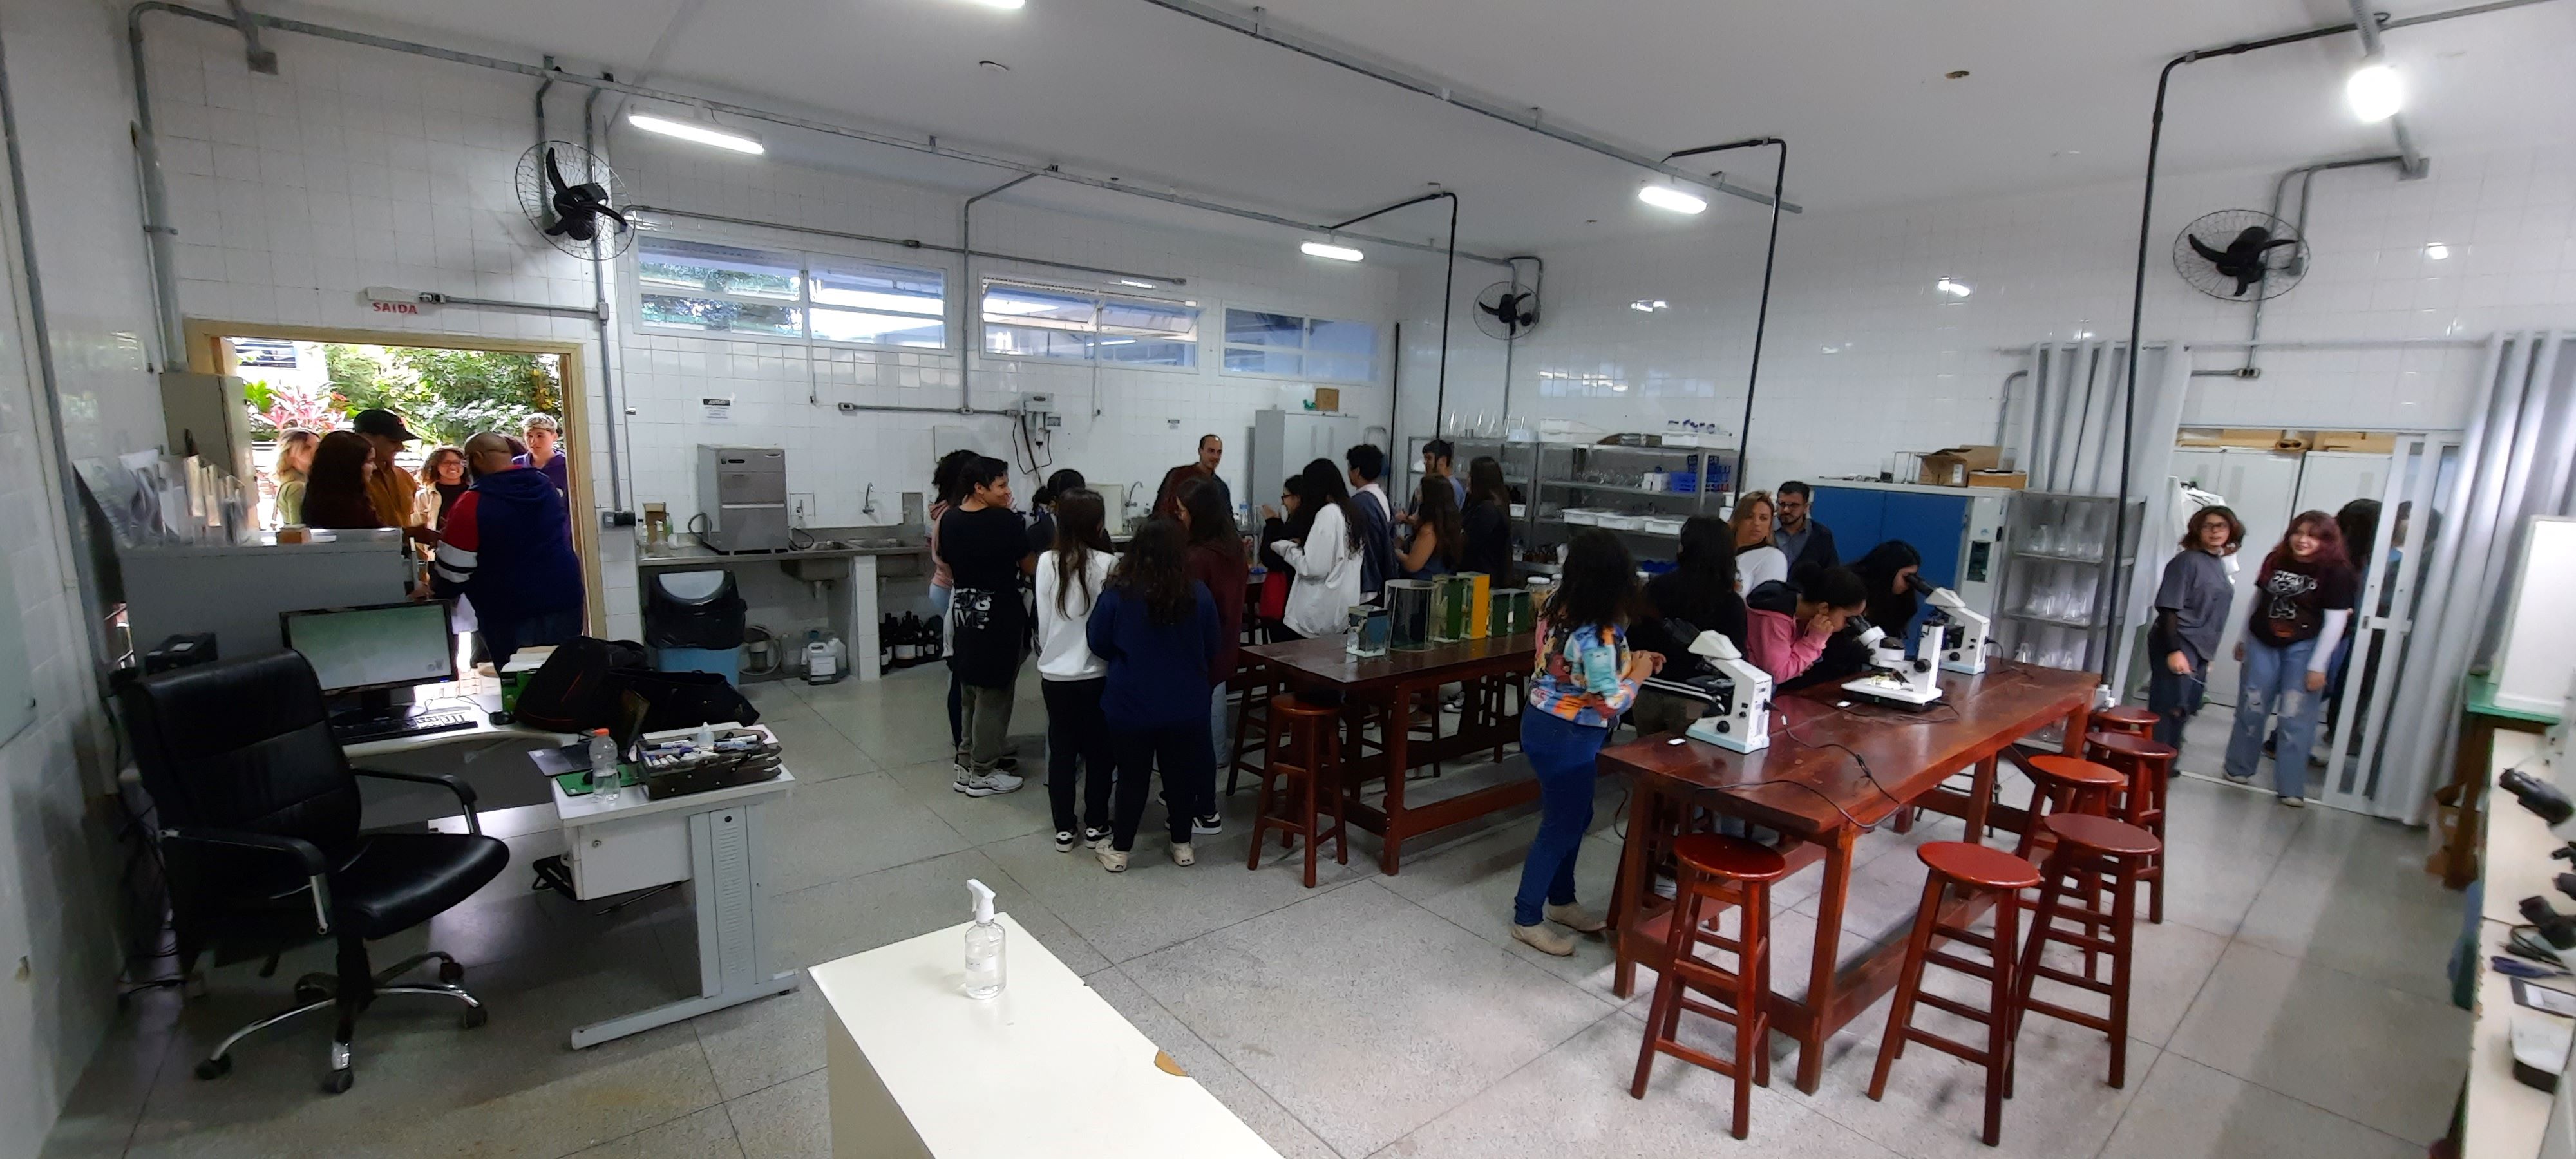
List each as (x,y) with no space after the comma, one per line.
(446,388)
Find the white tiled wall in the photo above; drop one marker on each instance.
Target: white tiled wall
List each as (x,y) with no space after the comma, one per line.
(1865,358)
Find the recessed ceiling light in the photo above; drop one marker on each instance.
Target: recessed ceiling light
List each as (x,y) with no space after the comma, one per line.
(1005,5)
(1325,249)
(2437,251)
(1955,289)
(701,132)
(1649,305)
(2374,91)
(1671,197)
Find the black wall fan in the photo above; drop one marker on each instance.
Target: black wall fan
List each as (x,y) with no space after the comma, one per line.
(572,196)
(1507,310)
(2241,255)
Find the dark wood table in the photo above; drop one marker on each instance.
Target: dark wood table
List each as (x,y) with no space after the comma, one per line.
(1396,680)
(1819,799)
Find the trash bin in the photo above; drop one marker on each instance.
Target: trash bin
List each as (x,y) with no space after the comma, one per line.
(693,621)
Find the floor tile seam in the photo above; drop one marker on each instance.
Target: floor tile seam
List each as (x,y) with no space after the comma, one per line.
(1319,891)
(1023,890)
(819,1067)
(1229,1060)
(2144,1077)
(1614,1004)
(1499,1080)
(775,895)
(698,1040)
(143,1106)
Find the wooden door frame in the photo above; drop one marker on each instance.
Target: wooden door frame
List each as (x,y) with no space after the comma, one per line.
(206,355)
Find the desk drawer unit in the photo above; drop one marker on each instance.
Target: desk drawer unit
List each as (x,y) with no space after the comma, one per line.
(613,857)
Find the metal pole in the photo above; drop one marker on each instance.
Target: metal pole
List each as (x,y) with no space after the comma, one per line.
(970,300)
(616,415)
(1762,312)
(1448,287)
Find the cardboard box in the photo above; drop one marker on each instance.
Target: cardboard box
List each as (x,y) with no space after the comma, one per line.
(2261,440)
(1950,466)
(2372,442)
(2009,480)
(1328,399)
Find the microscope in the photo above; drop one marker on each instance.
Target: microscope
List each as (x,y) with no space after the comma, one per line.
(1968,630)
(1737,696)
(1895,678)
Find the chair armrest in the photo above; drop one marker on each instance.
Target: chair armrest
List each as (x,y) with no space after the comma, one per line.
(307,857)
(464,792)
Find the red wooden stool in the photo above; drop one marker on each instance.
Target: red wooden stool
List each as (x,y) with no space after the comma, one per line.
(2149,767)
(2126,719)
(1710,868)
(2061,784)
(1972,869)
(1304,750)
(2089,849)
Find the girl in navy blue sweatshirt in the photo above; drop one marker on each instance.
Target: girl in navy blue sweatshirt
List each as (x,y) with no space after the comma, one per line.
(1158,630)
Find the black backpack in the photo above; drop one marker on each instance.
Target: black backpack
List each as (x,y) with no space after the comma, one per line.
(573,690)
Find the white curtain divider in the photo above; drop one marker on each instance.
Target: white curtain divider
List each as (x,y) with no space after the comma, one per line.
(2512,466)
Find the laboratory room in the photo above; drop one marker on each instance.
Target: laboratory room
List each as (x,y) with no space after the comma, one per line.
(1051,578)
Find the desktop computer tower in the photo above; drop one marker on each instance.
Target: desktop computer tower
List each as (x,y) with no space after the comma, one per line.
(742,491)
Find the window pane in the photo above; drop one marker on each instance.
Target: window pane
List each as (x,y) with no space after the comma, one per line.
(1149,352)
(1148,316)
(670,264)
(1034,342)
(1243,360)
(717,314)
(1342,337)
(880,329)
(1007,302)
(869,286)
(1340,368)
(1256,328)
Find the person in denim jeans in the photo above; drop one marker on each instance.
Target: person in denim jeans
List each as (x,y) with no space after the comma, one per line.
(2303,598)
(1584,677)
(2192,605)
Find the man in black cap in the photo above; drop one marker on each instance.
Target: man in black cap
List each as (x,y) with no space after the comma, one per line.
(391,490)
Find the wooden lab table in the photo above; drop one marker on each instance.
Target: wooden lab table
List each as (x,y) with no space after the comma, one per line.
(1817,797)
(1395,681)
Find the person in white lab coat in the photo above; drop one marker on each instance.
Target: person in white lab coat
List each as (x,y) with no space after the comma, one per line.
(1323,547)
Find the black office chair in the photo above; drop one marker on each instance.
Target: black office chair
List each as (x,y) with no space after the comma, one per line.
(257,820)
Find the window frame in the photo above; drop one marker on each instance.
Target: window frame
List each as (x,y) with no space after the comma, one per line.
(1100,298)
(1305,335)
(807,262)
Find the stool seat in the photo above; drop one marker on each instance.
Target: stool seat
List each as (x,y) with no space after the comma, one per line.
(2126,718)
(2102,835)
(1291,706)
(1978,866)
(1731,858)
(2130,746)
(2077,774)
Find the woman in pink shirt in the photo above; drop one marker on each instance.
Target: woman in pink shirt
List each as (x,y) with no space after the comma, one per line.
(1788,622)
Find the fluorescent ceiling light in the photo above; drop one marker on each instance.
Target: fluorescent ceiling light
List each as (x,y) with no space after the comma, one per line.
(1141,285)
(1672,198)
(1954,289)
(1649,305)
(702,132)
(1005,5)
(1118,342)
(1325,249)
(2374,91)
(2437,251)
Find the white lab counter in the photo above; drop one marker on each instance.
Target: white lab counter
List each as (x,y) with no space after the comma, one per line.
(2504,1118)
(918,1070)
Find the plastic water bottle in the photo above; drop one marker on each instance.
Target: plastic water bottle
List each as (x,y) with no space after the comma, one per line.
(983,945)
(603,767)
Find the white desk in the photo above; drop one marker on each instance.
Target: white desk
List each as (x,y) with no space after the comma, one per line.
(2505,1118)
(713,841)
(1047,1067)
(485,757)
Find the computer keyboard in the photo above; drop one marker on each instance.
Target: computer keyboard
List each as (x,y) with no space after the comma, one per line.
(394,728)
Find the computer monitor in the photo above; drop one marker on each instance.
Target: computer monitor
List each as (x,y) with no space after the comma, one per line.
(377,647)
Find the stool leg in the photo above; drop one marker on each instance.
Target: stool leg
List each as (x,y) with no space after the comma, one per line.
(1306,808)
(2036,940)
(2124,922)
(2090,878)
(1661,1013)
(1999,1016)
(1757,960)
(1338,795)
(1891,1042)
(1748,1012)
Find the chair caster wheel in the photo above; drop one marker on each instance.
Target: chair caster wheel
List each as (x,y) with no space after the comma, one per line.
(474,1016)
(337,1081)
(311,993)
(450,973)
(215,1068)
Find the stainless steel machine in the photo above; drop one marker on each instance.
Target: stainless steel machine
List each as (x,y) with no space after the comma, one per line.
(742,494)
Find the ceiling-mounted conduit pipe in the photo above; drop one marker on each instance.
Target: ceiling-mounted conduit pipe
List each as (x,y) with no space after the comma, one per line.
(2146,223)
(970,299)
(543,87)
(2412,164)
(910,243)
(1257,27)
(615,419)
(2307,176)
(930,145)
(1762,312)
(1448,285)
(1538,287)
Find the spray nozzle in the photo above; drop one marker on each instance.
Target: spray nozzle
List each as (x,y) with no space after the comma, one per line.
(983,900)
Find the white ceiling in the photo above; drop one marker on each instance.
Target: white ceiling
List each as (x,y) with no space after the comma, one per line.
(2058,93)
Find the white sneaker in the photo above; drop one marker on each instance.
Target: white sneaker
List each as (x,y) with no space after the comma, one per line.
(1182,854)
(2295,802)
(988,784)
(1210,825)
(1064,842)
(1113,861)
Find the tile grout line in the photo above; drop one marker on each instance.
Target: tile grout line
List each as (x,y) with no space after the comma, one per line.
(1534,1060)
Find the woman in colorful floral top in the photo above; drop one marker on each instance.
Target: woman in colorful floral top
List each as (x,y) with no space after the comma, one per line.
(1584,678)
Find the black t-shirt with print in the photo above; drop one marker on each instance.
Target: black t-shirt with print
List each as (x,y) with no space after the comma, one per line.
(983,550)
(2291,602)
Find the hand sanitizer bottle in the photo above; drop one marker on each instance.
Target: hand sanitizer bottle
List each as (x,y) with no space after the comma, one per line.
(983,945)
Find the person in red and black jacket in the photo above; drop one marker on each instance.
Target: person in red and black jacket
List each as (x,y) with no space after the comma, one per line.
(1216,559)
(505,548)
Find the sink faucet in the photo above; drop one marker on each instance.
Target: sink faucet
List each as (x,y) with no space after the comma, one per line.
(868,503)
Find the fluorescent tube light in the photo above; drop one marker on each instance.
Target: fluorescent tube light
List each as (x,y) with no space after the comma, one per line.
(2374,91)
(1672,198)
(1325,249)
(2437,251)
(1953,288)
(701,132)
(1141,285)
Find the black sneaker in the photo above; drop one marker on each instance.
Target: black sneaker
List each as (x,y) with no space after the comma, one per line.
(1095,838)
(1007,762)
(1064,841)
(1211,824)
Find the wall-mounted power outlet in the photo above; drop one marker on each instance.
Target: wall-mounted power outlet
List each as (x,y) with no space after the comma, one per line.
(800,509)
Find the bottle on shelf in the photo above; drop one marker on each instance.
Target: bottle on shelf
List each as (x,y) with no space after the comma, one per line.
(907,641)
(887,626)
(603,767)
(931,646)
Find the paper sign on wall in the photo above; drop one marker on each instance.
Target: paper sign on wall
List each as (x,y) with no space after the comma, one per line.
(719,410)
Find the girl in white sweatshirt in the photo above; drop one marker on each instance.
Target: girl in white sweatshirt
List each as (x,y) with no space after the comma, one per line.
(1069,577)
(1323,547)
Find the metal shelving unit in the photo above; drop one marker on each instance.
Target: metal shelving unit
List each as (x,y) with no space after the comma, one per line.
(2055,606)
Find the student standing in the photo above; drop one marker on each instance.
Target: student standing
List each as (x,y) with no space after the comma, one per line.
(2192,603)
(1323,549)
(1757,561)
(1042,507)
(1071,574)
(1789,622)
(543,437)
(1216,561)
(1167,498)
(444,474)
(1439,536)
(1374,517)
(987,552)
(1700,593)
(335,484)
(505,549)
(392,490)
(2302,599)
(1440,461)
(944,494)
(1487,522)
(294,457)
(1158,630)
(1584,678)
